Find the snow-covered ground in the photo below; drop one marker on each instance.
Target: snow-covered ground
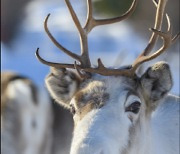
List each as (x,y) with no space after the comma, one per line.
(115,44)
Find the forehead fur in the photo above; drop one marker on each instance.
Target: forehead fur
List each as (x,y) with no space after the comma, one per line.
(100,84)
(95,92)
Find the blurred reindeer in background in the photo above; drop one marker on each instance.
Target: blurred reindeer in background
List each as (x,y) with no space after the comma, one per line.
(26,116)
(30,123)
(115,111)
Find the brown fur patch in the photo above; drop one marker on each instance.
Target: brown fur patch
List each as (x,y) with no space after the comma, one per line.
(91,97)
(6,78)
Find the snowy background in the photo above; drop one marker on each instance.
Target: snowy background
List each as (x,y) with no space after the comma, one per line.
(116,44)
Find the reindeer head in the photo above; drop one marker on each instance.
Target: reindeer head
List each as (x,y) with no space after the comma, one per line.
(109,106)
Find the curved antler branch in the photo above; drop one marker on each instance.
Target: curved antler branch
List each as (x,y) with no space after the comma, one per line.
(56,65)
(91,22)
(74,17)
(167,41)
(157,25)
(175,38)
(90,18)
(83,37)
(58,44)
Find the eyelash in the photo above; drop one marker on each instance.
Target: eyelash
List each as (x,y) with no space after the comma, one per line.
(134,107)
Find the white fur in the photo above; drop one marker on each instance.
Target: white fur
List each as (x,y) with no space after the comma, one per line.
(106,130)
(72,89)
(93,134)
(29,113)
(166,127)
(108,122)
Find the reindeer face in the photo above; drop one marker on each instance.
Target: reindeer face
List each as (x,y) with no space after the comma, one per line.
(108,111)
(104,111)
(97,92)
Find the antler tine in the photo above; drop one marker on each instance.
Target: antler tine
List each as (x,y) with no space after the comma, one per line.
(91,22)
(167,41)
(90,19)
(58,44)
(175,37)
(74,17)
(56,65)
(157,25)
(83,37)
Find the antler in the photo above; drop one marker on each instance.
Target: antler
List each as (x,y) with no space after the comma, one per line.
(91,22)
(167,37)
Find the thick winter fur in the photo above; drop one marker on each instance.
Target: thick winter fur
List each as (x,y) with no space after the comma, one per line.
(26,117)
(102,123)
(64,90)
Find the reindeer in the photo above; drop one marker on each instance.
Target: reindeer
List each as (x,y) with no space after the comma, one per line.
(26,116)
(115,111)
(31,123)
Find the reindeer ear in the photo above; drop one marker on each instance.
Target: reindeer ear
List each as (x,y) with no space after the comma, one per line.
(156,81)
(62,84)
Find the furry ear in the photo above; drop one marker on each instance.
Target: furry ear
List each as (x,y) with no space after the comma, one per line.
(156,81)
(62,84)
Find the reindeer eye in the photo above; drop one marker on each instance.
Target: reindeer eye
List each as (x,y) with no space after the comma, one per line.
(134,107)
(72,109)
